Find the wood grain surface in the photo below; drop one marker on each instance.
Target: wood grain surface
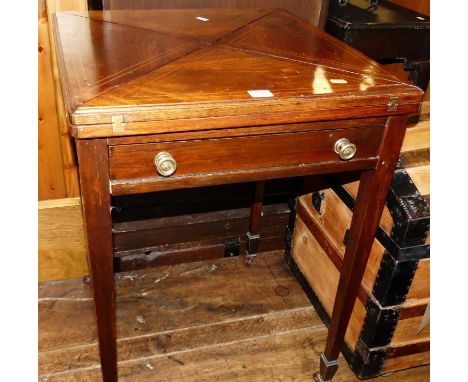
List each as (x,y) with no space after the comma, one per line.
(334,220)
(163,234)
(201,326)
(312,11)
(68,154)
(171,77)
(332,224)
(96,203)
(134,80)
(316,240)
(62,243)
(323,277)
(187,236)
(50,168)
(237,154)
(184,22)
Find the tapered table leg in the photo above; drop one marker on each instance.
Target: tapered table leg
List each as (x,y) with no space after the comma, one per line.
(253,235)
(95,196)
(370,201)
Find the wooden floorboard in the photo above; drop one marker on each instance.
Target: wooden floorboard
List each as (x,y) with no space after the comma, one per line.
(207,321)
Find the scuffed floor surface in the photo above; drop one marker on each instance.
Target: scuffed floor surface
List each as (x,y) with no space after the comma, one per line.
(205,321)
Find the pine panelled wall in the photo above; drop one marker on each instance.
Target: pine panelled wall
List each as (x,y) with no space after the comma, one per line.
(51,175)
(57,170)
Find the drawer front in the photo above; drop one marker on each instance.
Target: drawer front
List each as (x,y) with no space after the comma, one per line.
(231,155)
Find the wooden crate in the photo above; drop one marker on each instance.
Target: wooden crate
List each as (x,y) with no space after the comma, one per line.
(385,332)
(195,237)
(197,224)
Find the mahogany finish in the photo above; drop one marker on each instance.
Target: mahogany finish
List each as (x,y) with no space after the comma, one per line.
(312,11)
(198,157)
(140,82)
(184,22)
(95,196)
(370,202)
(307,75)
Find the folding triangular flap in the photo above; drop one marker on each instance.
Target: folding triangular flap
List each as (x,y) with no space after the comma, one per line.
(284,35)
(219,73)
(98,56)
(218,67)
(205,24)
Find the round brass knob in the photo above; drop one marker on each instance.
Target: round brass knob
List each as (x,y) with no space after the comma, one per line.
(165,164)
(345,149)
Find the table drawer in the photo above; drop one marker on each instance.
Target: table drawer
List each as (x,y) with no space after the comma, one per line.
(230,155)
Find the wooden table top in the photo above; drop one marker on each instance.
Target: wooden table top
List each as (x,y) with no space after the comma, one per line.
(194,69)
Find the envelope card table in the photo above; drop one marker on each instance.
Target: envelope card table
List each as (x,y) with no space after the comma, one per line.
(179,98)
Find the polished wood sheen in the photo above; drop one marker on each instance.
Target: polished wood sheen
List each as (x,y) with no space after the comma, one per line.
(184,22)
(187,77)
(233,95)
(94,172)
(233,155)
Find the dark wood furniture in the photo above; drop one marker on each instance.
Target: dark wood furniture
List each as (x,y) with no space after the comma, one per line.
(168,99)
(387,33)
(312,11)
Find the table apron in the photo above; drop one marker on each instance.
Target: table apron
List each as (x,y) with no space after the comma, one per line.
(129,186)
(204,162)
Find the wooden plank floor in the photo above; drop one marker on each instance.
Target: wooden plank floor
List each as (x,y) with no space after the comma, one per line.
(206,321)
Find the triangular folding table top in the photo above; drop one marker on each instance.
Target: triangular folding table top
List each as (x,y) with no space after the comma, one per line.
(179,64)
(205,24)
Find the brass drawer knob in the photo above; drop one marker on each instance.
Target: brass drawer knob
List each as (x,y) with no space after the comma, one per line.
(165,164)
(345,149)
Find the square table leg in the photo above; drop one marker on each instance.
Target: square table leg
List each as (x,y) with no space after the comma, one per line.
(96,203)
(373,189)
(94,180)
(253,235)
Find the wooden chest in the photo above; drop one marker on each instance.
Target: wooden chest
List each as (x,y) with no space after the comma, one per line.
(198,224)
(389,327)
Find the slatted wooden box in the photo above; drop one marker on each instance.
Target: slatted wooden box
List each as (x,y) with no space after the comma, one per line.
(386,331)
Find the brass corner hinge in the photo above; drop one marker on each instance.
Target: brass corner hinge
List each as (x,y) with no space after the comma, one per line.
(118,124)
(393,103)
